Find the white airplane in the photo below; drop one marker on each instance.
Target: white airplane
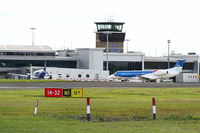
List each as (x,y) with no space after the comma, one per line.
(150,75)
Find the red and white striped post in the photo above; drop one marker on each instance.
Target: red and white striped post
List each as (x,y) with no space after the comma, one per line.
(154,108)
(88,109)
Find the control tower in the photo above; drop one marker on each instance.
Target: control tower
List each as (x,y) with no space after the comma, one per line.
(112,30)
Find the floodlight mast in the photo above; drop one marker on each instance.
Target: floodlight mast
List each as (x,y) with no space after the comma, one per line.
(33,36)
(168,41)
(107,47)
(127,40)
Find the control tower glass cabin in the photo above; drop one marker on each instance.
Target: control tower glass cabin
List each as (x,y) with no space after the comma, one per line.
(115,36)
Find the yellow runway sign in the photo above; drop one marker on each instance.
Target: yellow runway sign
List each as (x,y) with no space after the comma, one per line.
(76,92)
(73,92)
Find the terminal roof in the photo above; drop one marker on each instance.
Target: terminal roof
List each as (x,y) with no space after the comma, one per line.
(25,48)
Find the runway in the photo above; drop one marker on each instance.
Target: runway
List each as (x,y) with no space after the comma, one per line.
(92,84)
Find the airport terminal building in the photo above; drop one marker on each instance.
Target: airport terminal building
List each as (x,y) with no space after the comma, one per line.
(87,63)
(90,63)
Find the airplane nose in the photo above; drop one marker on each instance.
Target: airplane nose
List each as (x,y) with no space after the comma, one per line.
(110,77)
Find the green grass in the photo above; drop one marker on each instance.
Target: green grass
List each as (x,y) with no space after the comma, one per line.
(112,111)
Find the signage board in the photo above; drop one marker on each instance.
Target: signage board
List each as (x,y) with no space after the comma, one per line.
(53,92)
(67,92)
(76,92)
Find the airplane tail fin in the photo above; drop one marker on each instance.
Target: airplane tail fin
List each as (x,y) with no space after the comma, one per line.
(178,67)
(179,63)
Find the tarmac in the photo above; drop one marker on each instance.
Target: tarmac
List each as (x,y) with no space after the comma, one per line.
(92,84)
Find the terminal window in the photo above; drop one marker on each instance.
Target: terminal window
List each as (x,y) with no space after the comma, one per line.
(87,75)
(79,75)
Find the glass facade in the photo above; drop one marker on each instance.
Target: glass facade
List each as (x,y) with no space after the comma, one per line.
(27,54)
(49,63)
(114,66)
(156,65)
(164,65)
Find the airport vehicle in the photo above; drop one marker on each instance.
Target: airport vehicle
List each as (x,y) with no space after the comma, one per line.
(150,75)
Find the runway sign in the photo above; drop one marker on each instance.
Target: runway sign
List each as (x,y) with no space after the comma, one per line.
(53,92)
(76,92)
(67,92)
(73,92)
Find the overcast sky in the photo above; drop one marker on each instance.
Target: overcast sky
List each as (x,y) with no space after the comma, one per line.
(70,23)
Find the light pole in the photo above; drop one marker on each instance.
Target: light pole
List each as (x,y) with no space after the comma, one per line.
(32,35)
(127,40)
(168,41)
(107,47)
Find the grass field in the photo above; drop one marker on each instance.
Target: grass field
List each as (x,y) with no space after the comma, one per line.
(112,111)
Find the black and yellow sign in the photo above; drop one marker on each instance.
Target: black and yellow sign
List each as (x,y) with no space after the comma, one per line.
(73,92)
(67,92)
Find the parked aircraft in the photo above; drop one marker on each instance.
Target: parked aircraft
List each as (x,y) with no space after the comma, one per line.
(38,74)
(150,75)
(41,74)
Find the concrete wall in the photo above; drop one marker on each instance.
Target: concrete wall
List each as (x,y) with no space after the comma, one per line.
(187,78)
(90,58)
(77,74)
(83,55)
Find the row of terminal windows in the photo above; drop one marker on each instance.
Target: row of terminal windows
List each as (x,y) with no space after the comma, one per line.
(79,75)
(49,63)
(27,54)
(164,65)
(192,77)
(114,66)
(87,76)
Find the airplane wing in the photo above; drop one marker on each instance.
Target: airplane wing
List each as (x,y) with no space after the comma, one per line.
(14,74)
(155,75)
(161,72)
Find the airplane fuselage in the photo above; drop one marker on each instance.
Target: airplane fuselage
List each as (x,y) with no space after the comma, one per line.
(131,73)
